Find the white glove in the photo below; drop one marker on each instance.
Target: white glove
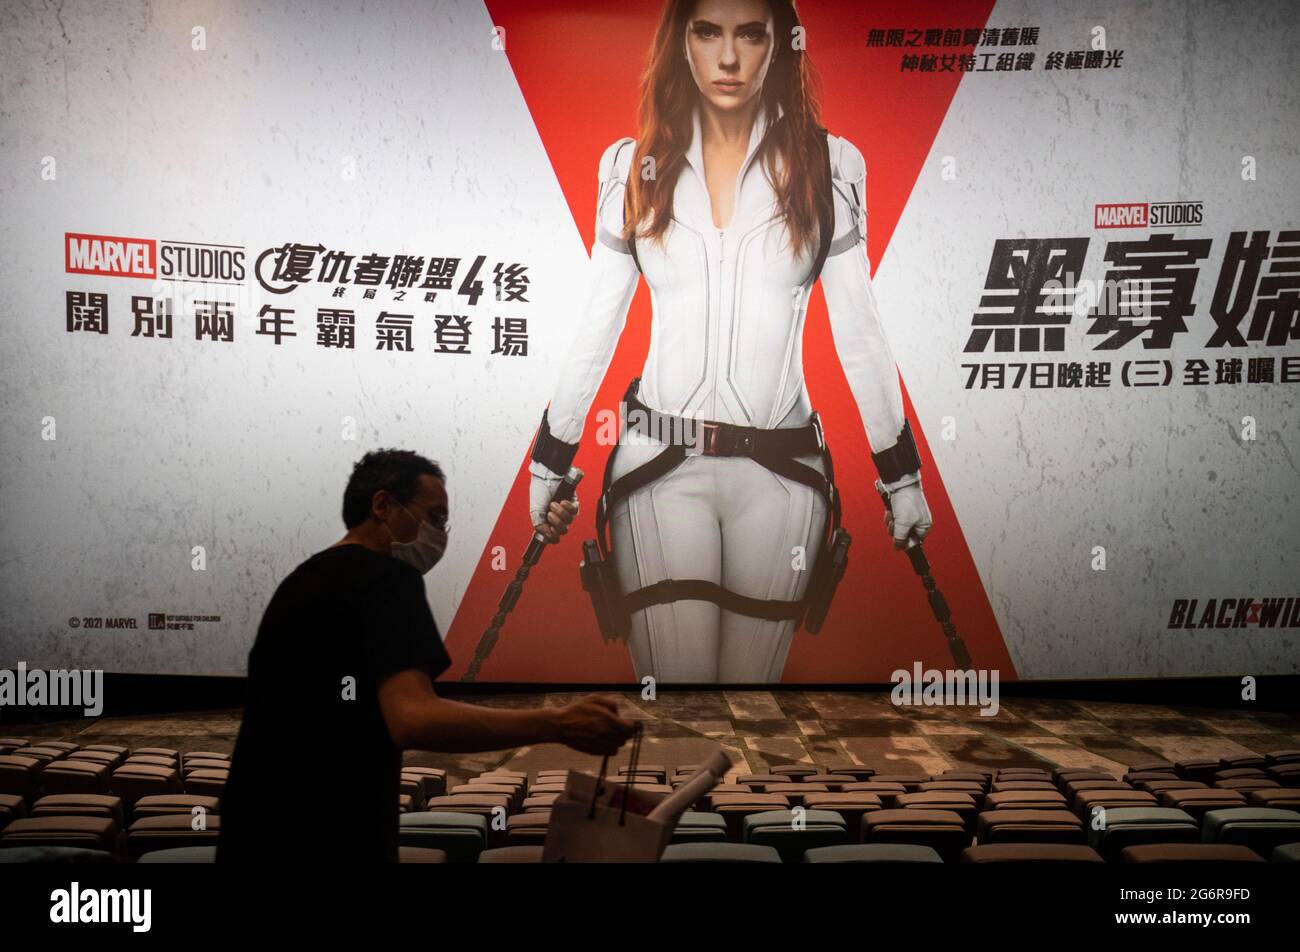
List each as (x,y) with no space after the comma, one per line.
(908,517)
(542,486)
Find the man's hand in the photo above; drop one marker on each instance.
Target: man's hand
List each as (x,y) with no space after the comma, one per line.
(592,725)
(550,519)
(907,517)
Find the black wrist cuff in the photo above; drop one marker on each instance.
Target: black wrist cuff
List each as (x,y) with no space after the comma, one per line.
(900,459)
(555,455)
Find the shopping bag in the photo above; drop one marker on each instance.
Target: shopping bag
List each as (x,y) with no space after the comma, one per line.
(596,820)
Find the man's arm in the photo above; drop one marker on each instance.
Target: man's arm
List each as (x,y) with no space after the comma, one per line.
(418,719)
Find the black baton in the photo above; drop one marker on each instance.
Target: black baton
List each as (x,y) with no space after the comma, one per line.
(563,493)
(938,604)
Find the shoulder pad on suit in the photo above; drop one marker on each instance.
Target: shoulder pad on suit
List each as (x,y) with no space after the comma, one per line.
(847,163)
(848,181)
(616,159)
(614,163)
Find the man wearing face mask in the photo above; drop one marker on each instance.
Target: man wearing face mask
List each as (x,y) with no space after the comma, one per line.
(340,682)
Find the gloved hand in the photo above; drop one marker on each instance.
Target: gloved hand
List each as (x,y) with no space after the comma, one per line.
(550,519)
(907,518)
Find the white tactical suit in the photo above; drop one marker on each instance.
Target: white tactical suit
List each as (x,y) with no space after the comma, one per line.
(726,345)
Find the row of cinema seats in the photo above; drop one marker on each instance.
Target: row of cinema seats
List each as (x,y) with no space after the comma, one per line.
(142,806)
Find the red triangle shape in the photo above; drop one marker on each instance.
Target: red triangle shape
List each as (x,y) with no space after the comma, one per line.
(578,67)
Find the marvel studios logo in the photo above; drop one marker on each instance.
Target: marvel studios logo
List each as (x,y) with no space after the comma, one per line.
(119,257)
(1148,214)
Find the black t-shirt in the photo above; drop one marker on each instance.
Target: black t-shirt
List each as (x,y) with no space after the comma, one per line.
(315,773)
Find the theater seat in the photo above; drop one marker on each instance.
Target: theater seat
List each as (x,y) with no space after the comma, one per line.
(963,804)
(887,792)
(539,802)
(12,807)
(81,804)
(700,827)
(163,832)
(1022,773)
(1018,786)
(1030,826)
(131,782)
(777,829)
(1189,853)
(87,832)
(512,854)
(462,836)
(19,776)
(1239,773)
(1137,826)
(418,854)
(527,829)
(1089,800)
(110,748)
(942,830)
(1242,760)
(55,854)
(719,853)
(1286,853)
(181,854)
(1029,853)
(1157,787)
(110,760)
(1259,828)
(75,776)
(872,853)
(206,783)
(44,755)
(206,755)
(1287,774)
(851,806)
(795,792)
(1248,785)
(856,770)
(1134,777)
(1279,798)
(831,781)
(1200,802)
(793,771)
(204,763)
(513,795)
(486,805)
(67,747)
(1025,800)
(433,780)
(172,804)
(975,788)
(1203,770)
(758,781)
(734,807)
(912,782)
(166,752)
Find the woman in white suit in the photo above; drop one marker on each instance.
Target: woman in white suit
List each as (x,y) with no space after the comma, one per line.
(732,202)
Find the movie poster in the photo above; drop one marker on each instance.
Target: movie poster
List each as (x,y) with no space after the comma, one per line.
(1024,276)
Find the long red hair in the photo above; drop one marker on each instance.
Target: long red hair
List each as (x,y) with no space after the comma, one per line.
(668,96)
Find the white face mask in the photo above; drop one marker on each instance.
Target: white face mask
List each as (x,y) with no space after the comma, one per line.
(427,549)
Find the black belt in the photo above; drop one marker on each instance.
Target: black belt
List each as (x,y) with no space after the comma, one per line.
(772,448)
(723,439)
